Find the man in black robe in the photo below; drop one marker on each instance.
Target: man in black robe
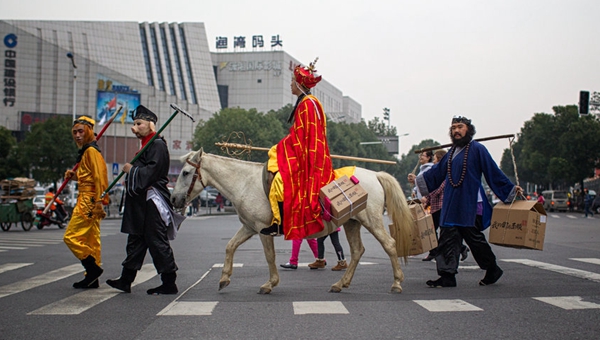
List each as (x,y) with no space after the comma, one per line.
(148,215)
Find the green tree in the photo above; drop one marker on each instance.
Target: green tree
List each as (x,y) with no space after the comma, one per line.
(380,128)
(48,149)
(10,165)
(257,129)
(556,150)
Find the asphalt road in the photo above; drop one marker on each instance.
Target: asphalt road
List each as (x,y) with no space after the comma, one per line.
(549,294)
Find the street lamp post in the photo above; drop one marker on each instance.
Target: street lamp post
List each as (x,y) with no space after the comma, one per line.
(399,140)
(72,57)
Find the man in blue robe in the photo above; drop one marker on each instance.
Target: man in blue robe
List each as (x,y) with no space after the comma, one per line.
(465,209)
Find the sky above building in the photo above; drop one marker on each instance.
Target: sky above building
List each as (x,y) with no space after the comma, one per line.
(496,62)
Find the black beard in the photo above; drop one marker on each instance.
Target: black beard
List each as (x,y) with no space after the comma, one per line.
(460,142)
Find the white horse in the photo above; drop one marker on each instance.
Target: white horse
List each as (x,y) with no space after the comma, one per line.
(242,183)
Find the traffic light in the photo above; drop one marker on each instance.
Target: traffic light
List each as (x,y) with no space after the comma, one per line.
(584,102)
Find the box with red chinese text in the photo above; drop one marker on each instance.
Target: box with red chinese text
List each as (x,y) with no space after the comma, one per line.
(521,224)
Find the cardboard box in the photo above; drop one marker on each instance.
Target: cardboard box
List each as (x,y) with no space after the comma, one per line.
(416,209)
(422,237)
(345,205)
(333,189)
(520,225)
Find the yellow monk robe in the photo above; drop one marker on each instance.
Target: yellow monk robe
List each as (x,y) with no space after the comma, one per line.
(82,235)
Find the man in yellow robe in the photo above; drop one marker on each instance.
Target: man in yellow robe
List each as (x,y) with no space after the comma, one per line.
(82,235)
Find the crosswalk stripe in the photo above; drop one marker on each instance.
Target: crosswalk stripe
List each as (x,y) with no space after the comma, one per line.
(558,269)
(3,244)
(12,266)
(447,306)
(569,302)
(571,216)
(12,248)
(235,265)
(79,303)
(319,307)
(189,308)
(587,260)
(555,216)
(40,280)
(31,241)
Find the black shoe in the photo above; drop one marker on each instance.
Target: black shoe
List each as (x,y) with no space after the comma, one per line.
(163,289)
(120,284)
(443,281)
(273,230)
(491,276)
(289,266)
(92,273)
(86,284)
(464,253)
(168,286)
(428,258)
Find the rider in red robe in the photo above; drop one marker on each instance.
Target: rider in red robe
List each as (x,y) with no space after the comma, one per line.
(303,162)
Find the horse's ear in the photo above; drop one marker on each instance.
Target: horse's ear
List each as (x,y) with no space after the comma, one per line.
(198,155)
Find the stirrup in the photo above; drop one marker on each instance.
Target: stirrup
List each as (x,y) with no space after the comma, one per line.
(273,230)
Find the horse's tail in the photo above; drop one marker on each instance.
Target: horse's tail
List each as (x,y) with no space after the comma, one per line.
(398,212)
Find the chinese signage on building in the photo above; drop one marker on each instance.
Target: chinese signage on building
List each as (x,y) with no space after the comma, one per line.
(240,42)
(10,70)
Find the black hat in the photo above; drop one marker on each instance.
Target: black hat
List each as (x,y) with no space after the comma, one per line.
(461,119)
(142,112)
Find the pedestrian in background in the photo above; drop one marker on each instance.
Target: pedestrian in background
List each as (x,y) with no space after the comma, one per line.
(339,251)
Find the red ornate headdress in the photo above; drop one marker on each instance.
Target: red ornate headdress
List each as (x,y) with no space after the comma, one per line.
(306,76)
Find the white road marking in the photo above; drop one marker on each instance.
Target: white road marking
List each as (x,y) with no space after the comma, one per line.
(12,248)
(12,266)
(559,269)
(235,265)
(195,308)
(571,216)
(319,307)
(39,280)
(447,306)
(555,216)
(24,244)
(569,302)
(88,298)
(588,260)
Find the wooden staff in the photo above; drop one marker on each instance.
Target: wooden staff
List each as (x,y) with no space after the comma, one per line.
(66,180)
(256,148)
(449,145)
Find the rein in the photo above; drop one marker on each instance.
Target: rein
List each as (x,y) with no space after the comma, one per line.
(197,175)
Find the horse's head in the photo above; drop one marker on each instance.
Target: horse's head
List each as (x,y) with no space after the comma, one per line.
(189,183)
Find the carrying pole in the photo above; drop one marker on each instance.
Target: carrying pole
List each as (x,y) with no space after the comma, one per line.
(256,148)
(449,145)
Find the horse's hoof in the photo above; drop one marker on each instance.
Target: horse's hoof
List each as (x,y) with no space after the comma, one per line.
(396,290)
(223,284)
(264,290)
(345,285)
(335,289)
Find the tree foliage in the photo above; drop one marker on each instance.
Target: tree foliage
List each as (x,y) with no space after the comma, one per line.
(380,128)
(49,149)
(10,165)
(556,151)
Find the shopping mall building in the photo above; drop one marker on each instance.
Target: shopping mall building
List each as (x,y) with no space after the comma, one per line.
(113,64)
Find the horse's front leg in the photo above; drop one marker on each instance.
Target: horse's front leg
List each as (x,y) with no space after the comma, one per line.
(269,249)
(352,230)
(242,235)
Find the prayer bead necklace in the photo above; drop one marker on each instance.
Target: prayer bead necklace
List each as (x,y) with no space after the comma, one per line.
(464,167)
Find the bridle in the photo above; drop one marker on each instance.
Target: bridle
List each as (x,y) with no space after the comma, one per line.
(197,175)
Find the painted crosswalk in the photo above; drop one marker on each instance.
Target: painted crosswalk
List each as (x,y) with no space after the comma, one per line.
(181,305)
(80,302)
